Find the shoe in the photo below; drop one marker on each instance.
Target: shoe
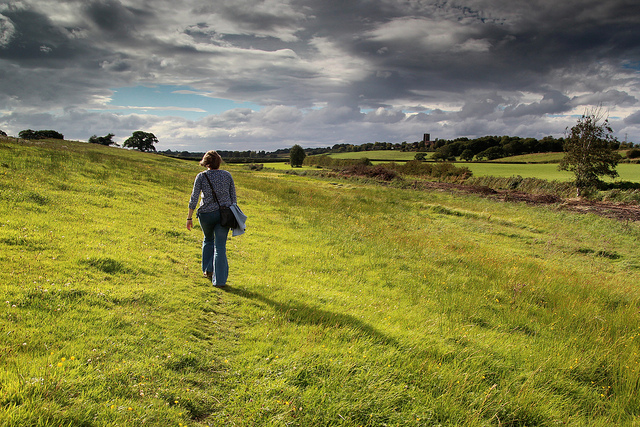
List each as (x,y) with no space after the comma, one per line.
(208,275)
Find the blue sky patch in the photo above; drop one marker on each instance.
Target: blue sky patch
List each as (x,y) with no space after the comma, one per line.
(169,100)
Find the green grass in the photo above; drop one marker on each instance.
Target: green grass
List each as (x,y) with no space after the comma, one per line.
(349,305)
(538,165)
(380,155)
(549,171)
(534,158)
(283,166)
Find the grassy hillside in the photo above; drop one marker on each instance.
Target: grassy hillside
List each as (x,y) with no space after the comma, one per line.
(349,304)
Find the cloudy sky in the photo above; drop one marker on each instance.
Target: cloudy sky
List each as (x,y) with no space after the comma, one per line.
(267,74)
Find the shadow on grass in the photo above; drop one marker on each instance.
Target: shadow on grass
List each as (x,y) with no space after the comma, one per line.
(306,315)
(620,185)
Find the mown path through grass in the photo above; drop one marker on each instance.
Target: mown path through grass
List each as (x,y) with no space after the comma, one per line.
(349,304)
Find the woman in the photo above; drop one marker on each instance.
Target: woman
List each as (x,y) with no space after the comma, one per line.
(214,245)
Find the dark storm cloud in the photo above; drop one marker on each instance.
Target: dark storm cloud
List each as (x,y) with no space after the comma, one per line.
(328,70)
(552,103)
(33,37)
(633,119)
(114,18)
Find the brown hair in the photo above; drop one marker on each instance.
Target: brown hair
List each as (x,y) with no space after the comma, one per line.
(211,160)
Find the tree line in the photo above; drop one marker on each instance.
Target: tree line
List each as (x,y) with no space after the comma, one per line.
(39,134)
(139,140)
(482,148)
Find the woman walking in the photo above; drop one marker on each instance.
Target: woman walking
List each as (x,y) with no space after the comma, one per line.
(214,245)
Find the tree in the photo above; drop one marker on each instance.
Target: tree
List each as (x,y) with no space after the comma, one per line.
(467,155)
(142,141)
(296,156)
(103,140)
(40,134)
(3,133)
(491,153)
(420,156)
(444,153)
(634,153)
(589,151)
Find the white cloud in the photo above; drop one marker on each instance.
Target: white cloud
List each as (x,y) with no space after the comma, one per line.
(431,34)
(7,30)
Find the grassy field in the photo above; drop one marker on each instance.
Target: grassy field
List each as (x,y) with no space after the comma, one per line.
(399,156)
(380,155)
(534,158)
(348,305)
(549,171)
(538,165)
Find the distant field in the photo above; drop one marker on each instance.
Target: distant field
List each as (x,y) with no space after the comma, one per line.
(548,171)
(286,166)
(387,155)
(403,156)
(533,158)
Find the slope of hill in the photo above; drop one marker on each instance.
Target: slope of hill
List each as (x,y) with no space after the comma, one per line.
(349,304)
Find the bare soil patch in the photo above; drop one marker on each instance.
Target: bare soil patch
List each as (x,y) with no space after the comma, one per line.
(619,211)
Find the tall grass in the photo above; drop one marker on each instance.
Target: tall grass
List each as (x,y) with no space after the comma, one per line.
(349,304)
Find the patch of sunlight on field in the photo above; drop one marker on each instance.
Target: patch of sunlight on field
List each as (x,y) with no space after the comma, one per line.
(286,166)
(548,171)
(533,158)
(381,155)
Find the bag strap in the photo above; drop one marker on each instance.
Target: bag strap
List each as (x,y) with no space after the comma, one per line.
(212,190)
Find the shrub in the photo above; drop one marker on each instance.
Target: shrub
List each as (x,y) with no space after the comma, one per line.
(633,153)
(103,140)
(329,162)
(434,170)
(377,172)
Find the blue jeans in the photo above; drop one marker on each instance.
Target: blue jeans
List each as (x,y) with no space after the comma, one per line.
(214,247)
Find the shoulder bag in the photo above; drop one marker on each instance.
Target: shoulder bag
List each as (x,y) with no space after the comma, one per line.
(227,218)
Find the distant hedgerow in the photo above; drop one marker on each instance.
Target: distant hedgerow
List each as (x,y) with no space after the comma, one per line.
(434,170)
(332,163)
(377,172)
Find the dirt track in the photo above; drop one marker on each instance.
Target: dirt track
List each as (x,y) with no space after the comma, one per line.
(621,212)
